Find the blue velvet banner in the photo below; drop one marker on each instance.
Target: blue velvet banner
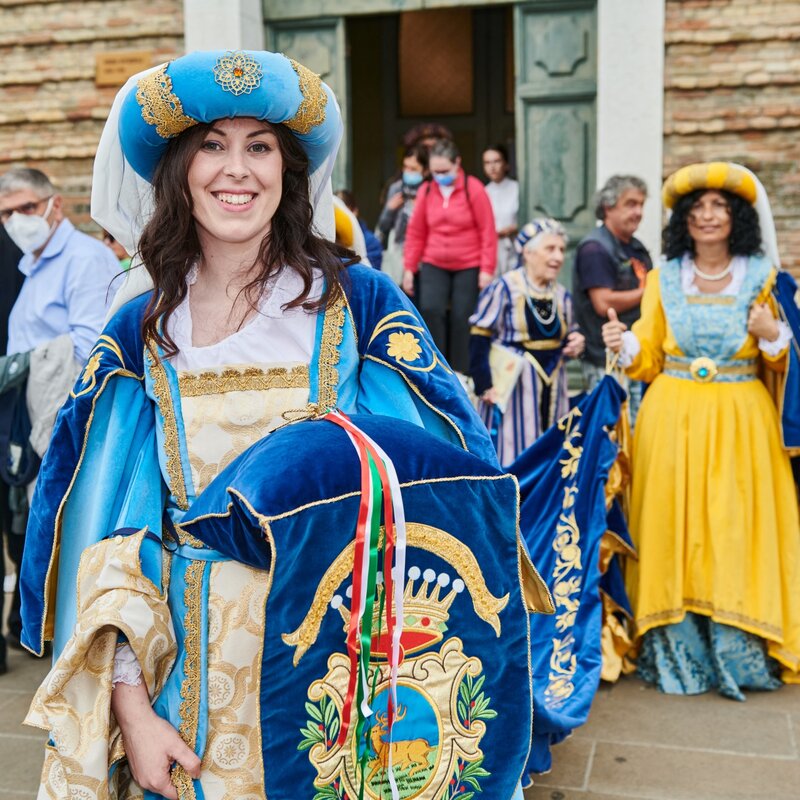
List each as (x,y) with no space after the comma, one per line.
(290,504)
(562,479)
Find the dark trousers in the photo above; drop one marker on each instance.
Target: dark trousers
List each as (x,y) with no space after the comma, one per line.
(447,300)
(13,545)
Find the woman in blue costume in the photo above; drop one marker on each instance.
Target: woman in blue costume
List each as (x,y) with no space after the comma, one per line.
(215,169)
(713,509)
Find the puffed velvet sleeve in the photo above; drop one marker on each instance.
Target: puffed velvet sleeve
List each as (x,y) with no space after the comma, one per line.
(484,328)
(650,331)
(402,374)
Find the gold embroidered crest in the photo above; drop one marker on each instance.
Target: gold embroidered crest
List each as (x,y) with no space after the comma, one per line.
(443,709)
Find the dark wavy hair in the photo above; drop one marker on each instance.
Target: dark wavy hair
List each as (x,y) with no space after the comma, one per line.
(745,238)
(169,244)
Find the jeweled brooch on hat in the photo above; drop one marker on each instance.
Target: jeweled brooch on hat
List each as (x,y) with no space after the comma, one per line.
(238,73)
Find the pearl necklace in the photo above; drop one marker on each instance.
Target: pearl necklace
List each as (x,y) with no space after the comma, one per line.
(716,277)
(549,294)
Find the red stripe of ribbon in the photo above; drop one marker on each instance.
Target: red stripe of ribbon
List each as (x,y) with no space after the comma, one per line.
(364,447)
(355,604)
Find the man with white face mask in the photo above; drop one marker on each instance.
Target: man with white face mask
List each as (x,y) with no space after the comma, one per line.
(53,325)
(67,273)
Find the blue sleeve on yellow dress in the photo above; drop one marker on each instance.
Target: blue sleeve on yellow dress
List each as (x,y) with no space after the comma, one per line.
(100,473)
(786,293)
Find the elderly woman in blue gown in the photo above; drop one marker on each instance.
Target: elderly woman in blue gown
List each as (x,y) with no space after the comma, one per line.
(522,334)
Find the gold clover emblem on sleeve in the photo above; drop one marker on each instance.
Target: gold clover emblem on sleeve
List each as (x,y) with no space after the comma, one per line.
(403,346)
(238,73)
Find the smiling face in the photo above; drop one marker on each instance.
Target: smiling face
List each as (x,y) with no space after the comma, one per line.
(236,182)
(709,219)
(544,259)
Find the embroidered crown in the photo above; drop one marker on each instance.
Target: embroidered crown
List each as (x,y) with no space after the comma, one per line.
(425,611)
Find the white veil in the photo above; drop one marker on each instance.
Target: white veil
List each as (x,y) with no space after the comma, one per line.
(769,238)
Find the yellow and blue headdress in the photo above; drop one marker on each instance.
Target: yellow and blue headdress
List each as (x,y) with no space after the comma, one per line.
(206,86)
(348,231)
(730,177)
(723,175)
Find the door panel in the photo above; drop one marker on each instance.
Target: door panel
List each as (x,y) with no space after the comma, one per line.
(556,79)
(319,44)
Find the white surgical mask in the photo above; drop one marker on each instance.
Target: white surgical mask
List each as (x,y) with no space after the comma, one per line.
(29,232)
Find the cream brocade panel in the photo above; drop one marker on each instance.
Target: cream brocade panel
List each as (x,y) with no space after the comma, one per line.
(74,700)
(228,409)
(232,764)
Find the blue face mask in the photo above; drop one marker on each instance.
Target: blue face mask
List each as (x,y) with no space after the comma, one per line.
(412,178)
(448,179)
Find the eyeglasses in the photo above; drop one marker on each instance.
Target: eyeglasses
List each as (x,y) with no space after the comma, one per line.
(26,208)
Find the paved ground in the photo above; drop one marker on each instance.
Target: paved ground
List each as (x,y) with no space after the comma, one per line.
(21,751)
(642,745)
(637,745)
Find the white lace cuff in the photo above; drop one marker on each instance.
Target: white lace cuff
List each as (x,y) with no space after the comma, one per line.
(126,666)
(774,348)
(630,349)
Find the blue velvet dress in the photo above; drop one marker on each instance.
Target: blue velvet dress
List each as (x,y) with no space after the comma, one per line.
(230,577)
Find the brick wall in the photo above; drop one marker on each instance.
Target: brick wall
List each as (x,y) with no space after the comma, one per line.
(732,92)
(51,112)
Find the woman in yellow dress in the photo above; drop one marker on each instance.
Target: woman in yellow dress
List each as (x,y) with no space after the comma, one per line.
(714,516)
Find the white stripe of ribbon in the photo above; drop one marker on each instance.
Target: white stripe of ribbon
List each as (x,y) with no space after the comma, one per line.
(399,573)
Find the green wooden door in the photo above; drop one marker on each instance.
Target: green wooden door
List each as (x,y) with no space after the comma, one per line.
(556,91)
(319,44)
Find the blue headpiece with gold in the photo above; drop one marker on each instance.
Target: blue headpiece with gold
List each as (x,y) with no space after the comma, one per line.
(535,228)
(208,85)
(532,230)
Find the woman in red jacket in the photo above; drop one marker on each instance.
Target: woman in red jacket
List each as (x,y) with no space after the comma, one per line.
(451,240)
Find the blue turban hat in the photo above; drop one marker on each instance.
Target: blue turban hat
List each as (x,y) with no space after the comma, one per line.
(208,85)
(534,229)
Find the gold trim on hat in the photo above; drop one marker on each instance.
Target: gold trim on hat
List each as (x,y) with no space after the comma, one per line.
(312,110)
(160,106)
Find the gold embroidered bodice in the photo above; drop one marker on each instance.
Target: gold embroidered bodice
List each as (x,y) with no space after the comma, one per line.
(227,409)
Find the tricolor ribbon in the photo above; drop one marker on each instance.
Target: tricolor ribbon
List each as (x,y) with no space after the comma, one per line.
(380,494)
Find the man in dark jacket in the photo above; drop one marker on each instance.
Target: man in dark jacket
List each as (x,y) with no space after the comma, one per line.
(11,282)
(610,270)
